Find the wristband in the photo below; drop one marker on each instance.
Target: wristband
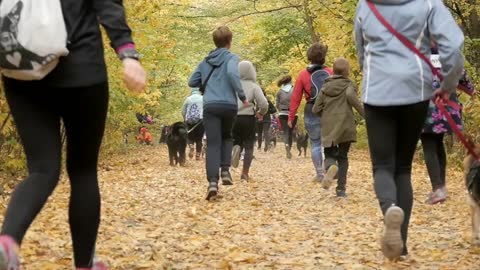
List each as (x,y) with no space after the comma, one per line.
(128,51)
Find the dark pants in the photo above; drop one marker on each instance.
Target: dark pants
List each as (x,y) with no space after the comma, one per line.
(435,158)
(338,155)
(393,134)
(218,122)
(244,136)
(196,136)
(263,133)
(287,131)
(37,111)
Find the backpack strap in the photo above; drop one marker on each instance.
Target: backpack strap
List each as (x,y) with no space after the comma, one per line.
(203,87)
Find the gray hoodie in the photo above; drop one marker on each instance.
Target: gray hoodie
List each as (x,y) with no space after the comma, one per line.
(252,90)
(392,73)
(224,84)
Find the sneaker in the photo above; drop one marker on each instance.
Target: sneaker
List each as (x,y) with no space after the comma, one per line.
(236,155)
(198,156)
(212,191)
(438,196)
(329,176)
(289,153)
(9,259)
(226,178)
(191,152)
(244,176)
(341,193)
(96,266)
(392,243)
(318,179)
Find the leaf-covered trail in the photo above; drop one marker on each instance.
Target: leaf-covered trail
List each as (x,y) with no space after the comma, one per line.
(155,217)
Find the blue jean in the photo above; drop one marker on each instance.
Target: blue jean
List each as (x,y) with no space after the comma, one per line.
(312,125)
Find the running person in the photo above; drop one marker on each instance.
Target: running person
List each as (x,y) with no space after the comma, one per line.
(77,93)
(284,96)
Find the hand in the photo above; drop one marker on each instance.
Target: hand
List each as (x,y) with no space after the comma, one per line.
(246,103)
(290,125)
(259,117)
(134,75)
(441,93)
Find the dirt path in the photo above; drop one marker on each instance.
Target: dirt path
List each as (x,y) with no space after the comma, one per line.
(155,217)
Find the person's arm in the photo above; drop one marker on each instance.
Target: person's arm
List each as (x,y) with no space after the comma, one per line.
(359,42)
(296,98)
(234,77)
(260,100)
(353,100)
(449,39)
(184,109)
(195,80)
(278,100)
(111,15)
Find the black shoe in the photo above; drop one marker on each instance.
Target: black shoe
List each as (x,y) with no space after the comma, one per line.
(341,193)
(226,178)
(212,191)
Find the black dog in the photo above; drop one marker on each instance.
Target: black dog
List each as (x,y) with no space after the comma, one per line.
(302,142)
(177,143)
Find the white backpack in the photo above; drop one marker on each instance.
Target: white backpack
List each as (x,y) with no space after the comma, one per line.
(33,37)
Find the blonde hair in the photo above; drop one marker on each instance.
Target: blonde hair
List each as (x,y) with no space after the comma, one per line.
(222,36)
(341,67)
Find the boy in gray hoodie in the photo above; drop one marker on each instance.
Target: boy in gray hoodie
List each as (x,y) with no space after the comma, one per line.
(217,76)
(244,128)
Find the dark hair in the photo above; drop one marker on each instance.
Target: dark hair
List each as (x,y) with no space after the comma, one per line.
(284,80)
(316,53)
(222,36)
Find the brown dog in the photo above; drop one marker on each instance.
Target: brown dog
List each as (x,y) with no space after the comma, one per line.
(472,178)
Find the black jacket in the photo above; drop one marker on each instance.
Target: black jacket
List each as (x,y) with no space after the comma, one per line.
(85,64)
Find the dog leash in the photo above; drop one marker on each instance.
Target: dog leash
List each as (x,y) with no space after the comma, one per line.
(442,107)
(194,127)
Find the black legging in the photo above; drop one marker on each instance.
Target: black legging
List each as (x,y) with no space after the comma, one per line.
(244,136)
(393,134)
(196,136)
(37,111)
(435,158)
(287,131)
(263,133)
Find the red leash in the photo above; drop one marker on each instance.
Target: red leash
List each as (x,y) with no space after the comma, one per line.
(442,107)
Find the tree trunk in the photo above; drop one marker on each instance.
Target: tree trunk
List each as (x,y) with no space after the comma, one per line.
(310,19)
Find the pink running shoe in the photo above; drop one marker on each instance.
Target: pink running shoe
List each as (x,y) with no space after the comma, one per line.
(96,266)
(9,254)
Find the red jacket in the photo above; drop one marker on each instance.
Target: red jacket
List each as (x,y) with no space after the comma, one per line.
(302,86)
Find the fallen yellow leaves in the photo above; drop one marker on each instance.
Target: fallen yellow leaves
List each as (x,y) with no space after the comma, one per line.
(155,217)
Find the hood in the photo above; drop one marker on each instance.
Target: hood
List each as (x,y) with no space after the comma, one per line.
(391,2)
(287,87)
(337,85)
(218,56)
(196,91)
(247,71)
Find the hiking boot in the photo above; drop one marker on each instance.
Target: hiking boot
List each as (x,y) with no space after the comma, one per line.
(236,155)
(96,266)
(329,176)
(191,152)
(438,196)
(226,178)
(212,190)
(244,176)
(9,259)
(341,193)
(392,243)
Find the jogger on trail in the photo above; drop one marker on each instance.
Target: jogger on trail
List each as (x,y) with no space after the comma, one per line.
(434,130)
(397,87)
(284,96)
(192,112)
(316,72)
(218,78)
(244,127)
(76,92)
(334,107)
